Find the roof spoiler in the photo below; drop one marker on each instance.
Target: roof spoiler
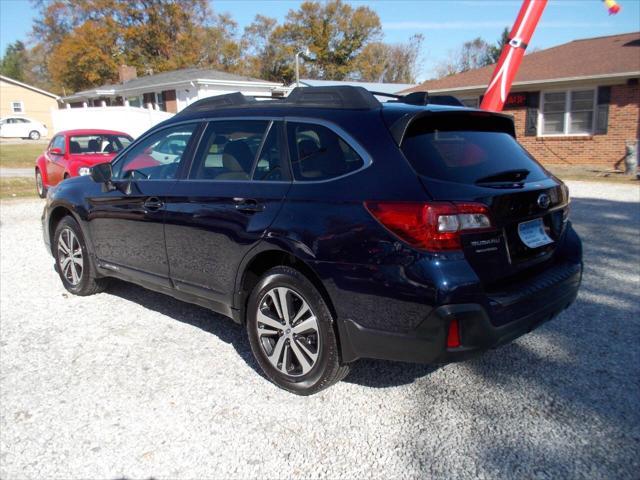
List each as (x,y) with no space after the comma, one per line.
(491,121)
(422,98)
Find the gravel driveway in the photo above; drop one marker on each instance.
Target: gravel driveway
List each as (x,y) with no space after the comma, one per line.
(130,383)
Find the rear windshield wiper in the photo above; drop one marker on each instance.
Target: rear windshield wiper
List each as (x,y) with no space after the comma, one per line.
(508,176)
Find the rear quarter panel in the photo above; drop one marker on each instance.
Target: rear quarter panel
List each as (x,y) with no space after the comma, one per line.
(370,275)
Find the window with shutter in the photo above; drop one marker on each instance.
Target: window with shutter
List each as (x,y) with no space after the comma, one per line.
(568,113)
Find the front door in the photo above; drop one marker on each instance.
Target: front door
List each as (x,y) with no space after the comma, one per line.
(234,190)
(127,223)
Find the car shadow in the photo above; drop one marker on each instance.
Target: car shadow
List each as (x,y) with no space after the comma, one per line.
(578,376)
(213,323)
(588,216)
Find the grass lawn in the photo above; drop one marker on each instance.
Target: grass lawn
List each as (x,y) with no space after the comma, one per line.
(14,187)
(20,156)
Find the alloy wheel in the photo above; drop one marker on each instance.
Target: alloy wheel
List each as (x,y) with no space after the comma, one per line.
(288,331)
(70,256)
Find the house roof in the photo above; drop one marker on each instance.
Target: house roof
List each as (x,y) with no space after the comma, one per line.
(30,87)
(371,86)
(600,57)
(174,77)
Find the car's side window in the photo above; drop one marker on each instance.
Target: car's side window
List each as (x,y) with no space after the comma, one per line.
(157,157)
(228,150)
(318,153)
(58,142)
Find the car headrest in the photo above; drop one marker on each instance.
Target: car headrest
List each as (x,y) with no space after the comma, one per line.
(237,157)
(306,148)
(74,147)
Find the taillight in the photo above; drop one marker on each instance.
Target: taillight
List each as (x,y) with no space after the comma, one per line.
(432,225)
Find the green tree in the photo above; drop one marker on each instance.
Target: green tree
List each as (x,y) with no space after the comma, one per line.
(494,51)
(14,62)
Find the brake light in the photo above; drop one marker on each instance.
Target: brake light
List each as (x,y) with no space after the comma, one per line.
(432,225)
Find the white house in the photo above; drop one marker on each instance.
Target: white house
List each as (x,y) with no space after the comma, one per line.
(137,103)
(169,91)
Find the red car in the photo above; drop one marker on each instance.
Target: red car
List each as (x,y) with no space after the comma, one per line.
(73,152)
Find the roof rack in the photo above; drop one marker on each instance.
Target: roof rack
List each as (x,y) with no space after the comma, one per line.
(219,101)
(334,97)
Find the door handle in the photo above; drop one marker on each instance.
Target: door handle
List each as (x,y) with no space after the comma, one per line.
(153,203)
(248,205)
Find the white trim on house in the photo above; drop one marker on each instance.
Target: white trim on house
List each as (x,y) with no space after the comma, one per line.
(30,87)
(131,92)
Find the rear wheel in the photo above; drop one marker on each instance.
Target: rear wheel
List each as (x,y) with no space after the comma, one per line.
(291,333)
(40,188)
(72,260)
(34,135)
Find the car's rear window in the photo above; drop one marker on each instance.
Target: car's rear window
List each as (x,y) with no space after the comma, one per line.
(466,153)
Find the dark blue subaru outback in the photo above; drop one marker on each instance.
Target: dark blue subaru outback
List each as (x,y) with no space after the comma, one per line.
(333,226)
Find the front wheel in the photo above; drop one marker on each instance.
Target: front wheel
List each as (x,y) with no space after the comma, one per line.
(40,188)
(72,260)
(34,135)
(291,333)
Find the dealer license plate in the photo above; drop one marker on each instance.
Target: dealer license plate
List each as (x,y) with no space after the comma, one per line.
(533,234)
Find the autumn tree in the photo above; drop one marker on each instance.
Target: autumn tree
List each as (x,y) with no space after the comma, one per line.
(151,35)
(267,54)
(86,57)
(395,63)
(334,32)
(80,43)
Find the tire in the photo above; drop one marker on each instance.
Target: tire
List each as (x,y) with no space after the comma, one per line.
(40,188)
(303,361)
(78,275)
(34,135)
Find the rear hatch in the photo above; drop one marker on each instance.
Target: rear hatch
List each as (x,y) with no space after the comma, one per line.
(473,157)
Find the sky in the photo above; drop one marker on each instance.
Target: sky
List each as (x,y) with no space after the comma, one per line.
(445,24)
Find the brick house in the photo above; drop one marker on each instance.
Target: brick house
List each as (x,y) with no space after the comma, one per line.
(576,103)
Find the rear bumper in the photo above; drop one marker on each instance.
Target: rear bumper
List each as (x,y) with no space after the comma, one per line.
(508,317)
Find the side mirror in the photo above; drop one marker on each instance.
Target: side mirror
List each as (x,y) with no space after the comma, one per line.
(101,173)
(55,151)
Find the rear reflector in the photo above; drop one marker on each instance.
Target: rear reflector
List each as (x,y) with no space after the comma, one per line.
(431,226)
(453,338)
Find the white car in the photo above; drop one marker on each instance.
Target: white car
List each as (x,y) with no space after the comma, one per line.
(22,127)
